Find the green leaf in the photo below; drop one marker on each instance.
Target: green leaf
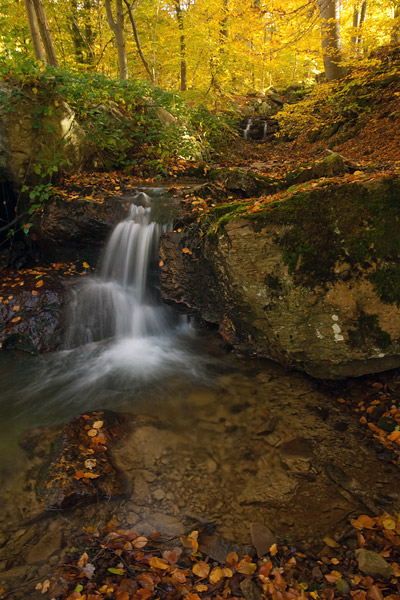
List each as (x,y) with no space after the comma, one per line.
(116,571)
(79,588)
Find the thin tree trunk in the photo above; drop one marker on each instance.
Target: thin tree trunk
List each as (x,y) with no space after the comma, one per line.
(329,11)
(363,16)
(224,30)
(182,42)
(356,25)
(33,28)
(117,27)
(45,33)
(138,46)
(395,37)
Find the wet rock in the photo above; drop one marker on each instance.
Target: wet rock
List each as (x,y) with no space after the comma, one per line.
(80,469)
(373,564)
(309,282)
(13,577)
(46,547)
(250,590)
(218,548)
(32,322)
(262,538)
(245,183)
(343,587)
(59,133)
(331,166)
(75,229)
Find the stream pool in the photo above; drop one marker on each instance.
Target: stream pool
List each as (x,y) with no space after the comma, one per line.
(216,441)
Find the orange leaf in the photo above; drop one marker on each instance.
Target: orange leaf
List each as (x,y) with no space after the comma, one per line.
(201,569)
(232,559)
(363,522)
(186,251)
(140,542)
(201,587)
(246,567)
(158,563)
(216,575)
(190,541)
(92,432)
(394,436)
(265,570)
(39,283)
(15,319)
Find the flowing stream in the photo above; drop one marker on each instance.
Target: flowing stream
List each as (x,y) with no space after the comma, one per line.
(217,439)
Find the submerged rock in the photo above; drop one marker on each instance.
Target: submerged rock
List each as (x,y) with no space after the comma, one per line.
(312,282)
(80,469)
(373,564)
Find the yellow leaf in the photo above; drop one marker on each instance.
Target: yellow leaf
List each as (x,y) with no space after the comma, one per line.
(190,541)
(201,569)
(389,523)
(216,575)
(159,563)
(56,103)
(161,263)
(82,562)
(39,283)
(92,432)
(34,90)
(273,550)
(98,424)
(330,542)
(186,251)
(357,173)
(86,265)
(201,588)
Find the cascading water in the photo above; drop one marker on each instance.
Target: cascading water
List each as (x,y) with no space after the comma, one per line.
(122,340)
(123,301)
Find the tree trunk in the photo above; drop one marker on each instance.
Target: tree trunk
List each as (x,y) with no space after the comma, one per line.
(329,11)
(45,33)
(224,30)
(182,42)
(395,37)
(138,46)
(117,27)
(33,28)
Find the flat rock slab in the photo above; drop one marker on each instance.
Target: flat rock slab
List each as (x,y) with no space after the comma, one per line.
(80,469)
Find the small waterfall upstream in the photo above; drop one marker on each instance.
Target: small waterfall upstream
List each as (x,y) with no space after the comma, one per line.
(123,301)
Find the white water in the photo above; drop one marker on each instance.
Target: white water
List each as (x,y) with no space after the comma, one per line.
(122,341)
(123,301)
(247,129)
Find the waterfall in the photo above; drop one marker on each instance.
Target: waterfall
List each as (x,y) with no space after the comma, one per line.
(247,129)
(123,300)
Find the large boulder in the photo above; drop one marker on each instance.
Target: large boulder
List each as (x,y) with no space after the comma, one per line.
(37,135)
(32,305)
(76,228)
(312,282)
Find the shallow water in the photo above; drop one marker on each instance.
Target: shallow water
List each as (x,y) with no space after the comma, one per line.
(215,439)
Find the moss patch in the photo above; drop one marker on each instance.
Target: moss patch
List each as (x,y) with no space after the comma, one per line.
(368,332)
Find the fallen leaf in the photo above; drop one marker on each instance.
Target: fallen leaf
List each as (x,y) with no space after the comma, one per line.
(201,569)
(98,424)
(158,563)
(39,283)
(92,432)
(186,251)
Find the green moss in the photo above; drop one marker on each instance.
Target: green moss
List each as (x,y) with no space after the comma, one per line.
(368,331)
(387,283)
